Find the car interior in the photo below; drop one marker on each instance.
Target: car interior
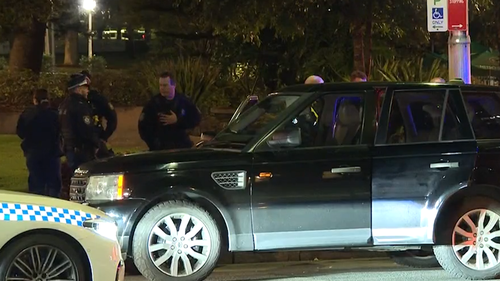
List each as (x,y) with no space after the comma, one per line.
(417,118)
(483,111)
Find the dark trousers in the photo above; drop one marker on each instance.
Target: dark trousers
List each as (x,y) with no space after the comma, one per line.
(44,175)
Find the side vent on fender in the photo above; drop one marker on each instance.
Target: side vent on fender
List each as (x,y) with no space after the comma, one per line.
(231,179)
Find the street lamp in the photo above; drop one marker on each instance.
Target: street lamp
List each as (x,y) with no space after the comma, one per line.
(89,6)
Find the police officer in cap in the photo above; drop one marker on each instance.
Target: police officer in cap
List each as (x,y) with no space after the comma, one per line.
(102,108)
(165,119)
(81,141)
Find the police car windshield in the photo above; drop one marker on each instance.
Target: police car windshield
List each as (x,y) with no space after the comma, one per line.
(256,118)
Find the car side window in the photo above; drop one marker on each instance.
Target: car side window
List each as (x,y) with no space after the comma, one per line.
(417,117)
(483,110)
(331,120)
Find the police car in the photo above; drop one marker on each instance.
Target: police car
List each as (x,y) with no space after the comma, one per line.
(43,238)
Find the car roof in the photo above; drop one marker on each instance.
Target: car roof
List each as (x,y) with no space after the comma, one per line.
(353,86)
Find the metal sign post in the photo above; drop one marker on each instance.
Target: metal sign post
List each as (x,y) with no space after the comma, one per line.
(453,16)
(459,40)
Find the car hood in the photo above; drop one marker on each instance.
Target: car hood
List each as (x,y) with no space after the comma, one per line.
(38,200)
(158,160)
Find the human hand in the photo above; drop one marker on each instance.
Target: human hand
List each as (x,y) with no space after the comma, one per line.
(168,119)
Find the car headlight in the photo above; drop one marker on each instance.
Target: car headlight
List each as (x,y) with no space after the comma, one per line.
(107,187)
(105,228)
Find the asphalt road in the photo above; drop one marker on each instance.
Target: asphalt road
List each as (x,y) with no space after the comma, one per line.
(341,270)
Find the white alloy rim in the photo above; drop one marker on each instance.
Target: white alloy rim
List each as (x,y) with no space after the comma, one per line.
(476,239)
(179,245)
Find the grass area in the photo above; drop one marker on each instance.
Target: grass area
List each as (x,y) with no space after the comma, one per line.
(13,173)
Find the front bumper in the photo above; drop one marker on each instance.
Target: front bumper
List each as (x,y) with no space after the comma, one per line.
(120,272)
(105,258)
(125,213)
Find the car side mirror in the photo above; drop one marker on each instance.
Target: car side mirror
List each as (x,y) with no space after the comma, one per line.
(285,138)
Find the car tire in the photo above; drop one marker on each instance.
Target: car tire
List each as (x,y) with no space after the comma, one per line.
(415,258)
(453,247)
(191,226)
(46,247)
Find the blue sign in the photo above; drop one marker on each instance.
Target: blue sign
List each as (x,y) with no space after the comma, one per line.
(437,13)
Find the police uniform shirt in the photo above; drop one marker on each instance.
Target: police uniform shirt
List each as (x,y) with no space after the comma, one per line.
(76,121)
(101,107)
(150,128)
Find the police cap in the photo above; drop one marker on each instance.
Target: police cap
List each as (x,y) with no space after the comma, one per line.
(77,80)
(86,73)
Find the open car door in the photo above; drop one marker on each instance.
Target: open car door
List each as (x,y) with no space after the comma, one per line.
(248,102)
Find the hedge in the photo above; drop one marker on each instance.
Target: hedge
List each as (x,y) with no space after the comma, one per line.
(202,82)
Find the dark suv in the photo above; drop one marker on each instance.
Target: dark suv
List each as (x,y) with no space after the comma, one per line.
(380,166)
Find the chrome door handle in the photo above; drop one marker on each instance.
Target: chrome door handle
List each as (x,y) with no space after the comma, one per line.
(346,170)
(444,165)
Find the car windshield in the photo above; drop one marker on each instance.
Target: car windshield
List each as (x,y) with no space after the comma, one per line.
(256,118)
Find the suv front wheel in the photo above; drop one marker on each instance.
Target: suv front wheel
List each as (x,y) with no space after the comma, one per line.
(471,241)
(176,240)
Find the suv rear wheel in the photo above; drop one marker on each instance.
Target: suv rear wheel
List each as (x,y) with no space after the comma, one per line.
(471,247)
(176,240)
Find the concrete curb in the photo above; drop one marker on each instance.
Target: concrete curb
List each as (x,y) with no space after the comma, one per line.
(227,258)
(260,257)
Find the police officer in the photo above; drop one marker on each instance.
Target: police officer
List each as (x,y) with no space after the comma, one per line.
(102,108)
(39,129)
(166,117)
(81,141)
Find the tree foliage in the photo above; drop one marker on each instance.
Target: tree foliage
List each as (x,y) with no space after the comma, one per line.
(19,14)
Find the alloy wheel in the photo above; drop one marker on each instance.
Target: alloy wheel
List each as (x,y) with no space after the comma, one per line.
(179,245)
(476,239)
(42,263)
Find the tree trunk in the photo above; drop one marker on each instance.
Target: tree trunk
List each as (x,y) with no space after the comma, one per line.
(357,31)
(368,38)
(27,48)
(71,48)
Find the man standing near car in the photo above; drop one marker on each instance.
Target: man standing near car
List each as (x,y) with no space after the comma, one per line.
(38,127)
(165,119)
(437,80)
(81,141)
(102,108)
(314,79)
(358,76)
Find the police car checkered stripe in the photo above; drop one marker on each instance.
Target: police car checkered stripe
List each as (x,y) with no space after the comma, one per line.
(27,212)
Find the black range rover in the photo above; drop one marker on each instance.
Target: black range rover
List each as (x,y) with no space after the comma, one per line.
(397,167)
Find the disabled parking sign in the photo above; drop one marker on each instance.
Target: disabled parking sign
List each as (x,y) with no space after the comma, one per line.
(437,15)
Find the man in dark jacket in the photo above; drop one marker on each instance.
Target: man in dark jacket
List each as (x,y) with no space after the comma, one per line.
(81,140)
(102,109)
(165,119)
(39,129)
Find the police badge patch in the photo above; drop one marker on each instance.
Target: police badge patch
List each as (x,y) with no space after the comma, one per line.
(86,119)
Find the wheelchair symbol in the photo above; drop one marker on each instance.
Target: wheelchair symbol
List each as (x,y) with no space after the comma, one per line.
(437,13)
